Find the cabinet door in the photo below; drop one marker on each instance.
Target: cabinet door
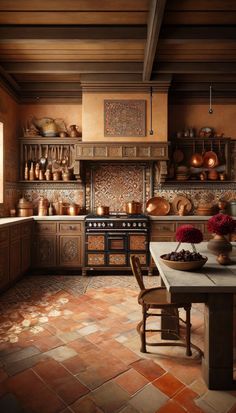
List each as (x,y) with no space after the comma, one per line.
(45,251)
(70,251)
(15,259)
(4,265)
(25,254)
(137,242)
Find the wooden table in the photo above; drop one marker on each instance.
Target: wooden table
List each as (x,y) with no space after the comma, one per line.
(214,285)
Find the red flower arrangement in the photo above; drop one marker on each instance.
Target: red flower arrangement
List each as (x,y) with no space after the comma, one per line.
(221,224)
(190,234)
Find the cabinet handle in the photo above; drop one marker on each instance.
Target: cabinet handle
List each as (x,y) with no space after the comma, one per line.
(72,227)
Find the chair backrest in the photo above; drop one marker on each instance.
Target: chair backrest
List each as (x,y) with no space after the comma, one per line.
(137,271)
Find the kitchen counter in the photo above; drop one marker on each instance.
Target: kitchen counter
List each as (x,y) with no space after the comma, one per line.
(16,220)
(180,218)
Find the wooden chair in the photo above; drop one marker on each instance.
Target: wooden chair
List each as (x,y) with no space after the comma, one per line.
(155,298)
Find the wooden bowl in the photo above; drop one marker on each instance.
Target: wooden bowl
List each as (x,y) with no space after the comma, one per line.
(185,265)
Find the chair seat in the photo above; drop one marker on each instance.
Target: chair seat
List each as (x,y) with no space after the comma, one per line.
(156,297)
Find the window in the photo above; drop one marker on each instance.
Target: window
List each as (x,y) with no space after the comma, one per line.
(1,162)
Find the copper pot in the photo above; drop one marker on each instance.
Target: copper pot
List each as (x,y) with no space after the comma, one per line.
(102,210)
(196,160)
(73,209)
(133,208)
(24,208)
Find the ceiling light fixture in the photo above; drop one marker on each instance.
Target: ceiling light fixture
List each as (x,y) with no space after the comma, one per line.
(210,110)
(151,130)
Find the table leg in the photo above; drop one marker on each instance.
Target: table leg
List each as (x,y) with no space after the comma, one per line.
(217,364)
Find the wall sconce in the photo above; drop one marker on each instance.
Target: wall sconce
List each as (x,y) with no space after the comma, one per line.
(210,110)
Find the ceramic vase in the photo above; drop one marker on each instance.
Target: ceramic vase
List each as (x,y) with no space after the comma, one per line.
(219,245)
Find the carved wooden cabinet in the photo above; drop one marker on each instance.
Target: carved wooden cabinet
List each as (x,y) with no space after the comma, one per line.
(58,244)
(70,244)
(4,257)
(15,249)
(26,231)
(15,252)
(44,244)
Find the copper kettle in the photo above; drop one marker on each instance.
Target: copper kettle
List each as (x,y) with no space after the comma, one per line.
(133,208)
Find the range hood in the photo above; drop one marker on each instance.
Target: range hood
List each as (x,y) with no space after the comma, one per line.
(155,152)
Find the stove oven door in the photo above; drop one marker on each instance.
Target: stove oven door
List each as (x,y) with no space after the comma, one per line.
(117,250)
(138,246)
(95,251)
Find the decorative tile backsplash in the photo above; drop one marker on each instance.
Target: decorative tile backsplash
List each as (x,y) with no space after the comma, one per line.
(114,184)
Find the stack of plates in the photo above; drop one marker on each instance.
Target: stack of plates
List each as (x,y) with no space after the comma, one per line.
(182,173)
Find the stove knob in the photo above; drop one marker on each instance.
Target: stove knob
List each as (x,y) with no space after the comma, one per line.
(124,224)
(139,224)
(103,224)
(99,224)
(128,224)
(94,224)
(134,224)
(144,224)
(111,224)
(90,224)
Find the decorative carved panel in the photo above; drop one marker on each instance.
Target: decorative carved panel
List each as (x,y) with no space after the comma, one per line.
(123,118)
(46,251)
(149,151)
(96,259)
(96,242)
(137,242)
(69,249)
(117,259)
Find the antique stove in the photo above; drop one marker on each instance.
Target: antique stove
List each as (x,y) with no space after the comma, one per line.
(111,240)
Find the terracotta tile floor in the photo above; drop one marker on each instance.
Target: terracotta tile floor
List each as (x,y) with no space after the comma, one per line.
(69,344)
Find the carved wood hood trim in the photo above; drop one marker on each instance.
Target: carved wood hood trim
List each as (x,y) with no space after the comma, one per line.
(129,151)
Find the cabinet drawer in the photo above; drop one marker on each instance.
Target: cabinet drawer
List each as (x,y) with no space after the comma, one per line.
(15,232)
(163,227)
(70,227)
(4,235)
(199,225)
(46,227)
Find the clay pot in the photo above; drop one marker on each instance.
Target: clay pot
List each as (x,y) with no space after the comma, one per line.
(213,175)
(219,245)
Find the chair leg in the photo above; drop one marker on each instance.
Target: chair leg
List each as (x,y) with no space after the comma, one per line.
(188,332)
(143,348)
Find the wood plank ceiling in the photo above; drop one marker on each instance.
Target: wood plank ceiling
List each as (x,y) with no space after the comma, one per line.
(48,48)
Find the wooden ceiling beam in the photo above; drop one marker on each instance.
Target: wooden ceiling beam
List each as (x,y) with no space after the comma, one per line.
(195,68)
(72,5)
(155,18)
(9,80)
(200,18)
(68,32)
(193,5)
(175,34)
(73,67)
(72,17)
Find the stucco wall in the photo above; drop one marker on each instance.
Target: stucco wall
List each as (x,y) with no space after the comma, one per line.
(93,116)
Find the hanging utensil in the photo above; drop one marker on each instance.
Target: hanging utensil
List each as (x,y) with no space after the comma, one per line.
(210,110)
(196,159)
(151,130)
(43,159)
